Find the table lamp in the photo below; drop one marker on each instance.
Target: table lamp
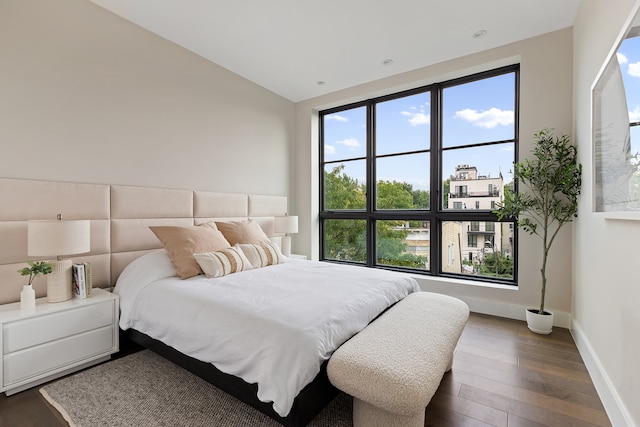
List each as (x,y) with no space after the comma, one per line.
(59,238)
(287,225)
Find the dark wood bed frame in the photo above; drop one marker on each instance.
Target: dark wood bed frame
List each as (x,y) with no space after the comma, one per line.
(311,400)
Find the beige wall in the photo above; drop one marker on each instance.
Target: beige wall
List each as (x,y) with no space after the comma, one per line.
(87,96)
(606,290)
(546,101)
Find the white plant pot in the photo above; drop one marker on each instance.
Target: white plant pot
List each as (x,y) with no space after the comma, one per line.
(539,323)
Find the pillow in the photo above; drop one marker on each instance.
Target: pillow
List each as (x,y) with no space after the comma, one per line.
(242,232)
(221,263)
(262,254)
(181,242)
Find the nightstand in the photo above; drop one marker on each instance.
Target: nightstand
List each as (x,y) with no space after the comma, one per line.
(56,338)
(298,256)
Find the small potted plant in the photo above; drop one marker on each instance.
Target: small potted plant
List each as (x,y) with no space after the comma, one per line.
(553,178)
(35,269)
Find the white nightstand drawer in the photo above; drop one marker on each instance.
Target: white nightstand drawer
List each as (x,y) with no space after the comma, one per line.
(25,364)
(28,332)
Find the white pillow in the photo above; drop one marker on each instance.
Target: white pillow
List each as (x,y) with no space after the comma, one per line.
(223,262)
(262,254)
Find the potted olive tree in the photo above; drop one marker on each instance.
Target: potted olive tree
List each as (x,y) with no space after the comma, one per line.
(552,179)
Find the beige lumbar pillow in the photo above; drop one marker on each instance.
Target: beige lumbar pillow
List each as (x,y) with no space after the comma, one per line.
(242,232)
(262,254)
(181,242)
(221,263)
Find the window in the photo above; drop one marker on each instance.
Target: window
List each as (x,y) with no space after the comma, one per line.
(461,190)
(407,179)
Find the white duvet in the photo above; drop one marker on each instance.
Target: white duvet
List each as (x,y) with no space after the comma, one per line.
(272,326)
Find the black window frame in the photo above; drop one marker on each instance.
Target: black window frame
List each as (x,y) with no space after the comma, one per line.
(437,214)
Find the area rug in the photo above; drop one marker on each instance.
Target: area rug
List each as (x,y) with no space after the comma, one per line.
(144,389)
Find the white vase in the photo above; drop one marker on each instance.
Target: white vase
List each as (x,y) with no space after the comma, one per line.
(27,299)
(539,323)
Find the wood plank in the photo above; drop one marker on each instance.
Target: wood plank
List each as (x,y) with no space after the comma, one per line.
(572,365)
(539,400)
(516,421)
(524,412)
(539,382)
(471,409)
(572,374)
(438,416)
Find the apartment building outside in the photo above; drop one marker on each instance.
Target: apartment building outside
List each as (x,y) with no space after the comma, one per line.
(470,190)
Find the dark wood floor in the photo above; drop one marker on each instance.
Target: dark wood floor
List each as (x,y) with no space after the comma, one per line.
(503,375)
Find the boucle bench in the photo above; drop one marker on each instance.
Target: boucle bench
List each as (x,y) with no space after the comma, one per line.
(394,366)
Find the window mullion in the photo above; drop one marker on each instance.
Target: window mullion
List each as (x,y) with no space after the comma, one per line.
(435,179)
(371,184)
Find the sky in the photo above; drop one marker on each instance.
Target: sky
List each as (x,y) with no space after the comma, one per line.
(629,60)
(476,112)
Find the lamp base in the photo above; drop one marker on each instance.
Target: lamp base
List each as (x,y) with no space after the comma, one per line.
(286,245)
(59,281)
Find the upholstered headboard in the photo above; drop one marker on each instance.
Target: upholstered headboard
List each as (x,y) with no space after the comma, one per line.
(120,219)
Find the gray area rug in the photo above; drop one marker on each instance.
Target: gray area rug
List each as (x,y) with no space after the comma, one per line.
(144,389)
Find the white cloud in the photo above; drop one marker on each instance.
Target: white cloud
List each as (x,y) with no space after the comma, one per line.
(329,149)
(634,69)
(622,59)
(350,142)
(486,119)
(634,116)
(417,119)
(336,117)
(417,115)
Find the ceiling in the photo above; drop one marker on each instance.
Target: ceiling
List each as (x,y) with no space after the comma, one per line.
(300,49)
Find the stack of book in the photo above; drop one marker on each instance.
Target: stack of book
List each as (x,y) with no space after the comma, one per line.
(82,280)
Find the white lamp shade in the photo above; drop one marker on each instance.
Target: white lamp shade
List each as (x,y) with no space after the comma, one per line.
(286,224)
(48,238)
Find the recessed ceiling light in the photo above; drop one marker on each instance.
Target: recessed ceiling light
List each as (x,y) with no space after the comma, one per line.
(387,62)
(479,33)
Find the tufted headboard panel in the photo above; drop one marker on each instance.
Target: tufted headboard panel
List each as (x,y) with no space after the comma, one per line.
(120,219)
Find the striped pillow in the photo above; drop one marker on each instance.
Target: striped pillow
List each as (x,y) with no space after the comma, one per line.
(223,262)
(262,254)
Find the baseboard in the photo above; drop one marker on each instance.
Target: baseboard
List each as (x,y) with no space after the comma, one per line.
(561,319)
(616,409)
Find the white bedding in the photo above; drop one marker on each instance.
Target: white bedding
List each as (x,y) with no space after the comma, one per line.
(273,326)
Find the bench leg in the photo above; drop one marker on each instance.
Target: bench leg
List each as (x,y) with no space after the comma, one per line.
(367,415)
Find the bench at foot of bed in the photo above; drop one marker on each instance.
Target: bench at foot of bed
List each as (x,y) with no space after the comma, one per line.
(394,366)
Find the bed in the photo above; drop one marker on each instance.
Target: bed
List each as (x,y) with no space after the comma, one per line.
(122,244)
(273,326)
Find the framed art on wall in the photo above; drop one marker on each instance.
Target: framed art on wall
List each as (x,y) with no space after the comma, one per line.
(616,127)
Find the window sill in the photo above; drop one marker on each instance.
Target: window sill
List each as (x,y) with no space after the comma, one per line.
(451,280)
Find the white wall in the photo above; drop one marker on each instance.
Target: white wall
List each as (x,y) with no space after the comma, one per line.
(606,292)
(546,101)
(87,96)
